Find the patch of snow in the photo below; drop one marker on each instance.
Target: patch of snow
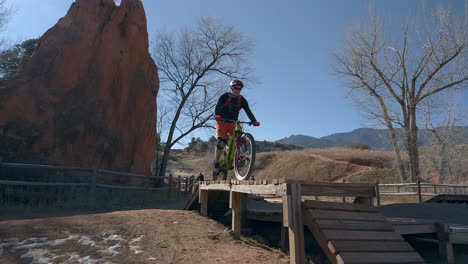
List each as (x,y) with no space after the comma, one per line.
(82,260)
(10,242)
(41,242)
(62,241)
(112,238)
(87,241)
(135,247)
(37,256)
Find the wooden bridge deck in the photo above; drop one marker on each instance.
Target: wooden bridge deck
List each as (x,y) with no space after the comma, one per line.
(347,232)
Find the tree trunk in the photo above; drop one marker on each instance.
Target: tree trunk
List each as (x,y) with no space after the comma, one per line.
(396,150)
(413,152)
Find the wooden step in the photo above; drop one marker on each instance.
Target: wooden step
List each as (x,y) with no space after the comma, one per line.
(369,246)
(354,225)
(361,235)
(344,215)
(380,258)
(333,206)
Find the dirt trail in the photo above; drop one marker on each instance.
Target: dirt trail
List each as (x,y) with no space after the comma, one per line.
(359,168)
(136,236)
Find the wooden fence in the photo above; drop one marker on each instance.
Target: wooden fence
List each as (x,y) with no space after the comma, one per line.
(419,189)
(172,185)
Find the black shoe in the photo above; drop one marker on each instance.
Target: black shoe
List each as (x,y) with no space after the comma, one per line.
(216,168)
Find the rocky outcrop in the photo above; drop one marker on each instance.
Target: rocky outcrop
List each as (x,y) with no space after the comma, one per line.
(87,95)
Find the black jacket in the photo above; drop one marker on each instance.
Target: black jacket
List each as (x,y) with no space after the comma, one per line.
(231,111)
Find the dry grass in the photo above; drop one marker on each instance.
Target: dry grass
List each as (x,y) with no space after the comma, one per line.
(379,159)
(298,165)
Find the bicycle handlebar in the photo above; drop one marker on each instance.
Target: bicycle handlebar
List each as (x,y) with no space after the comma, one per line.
(236,121)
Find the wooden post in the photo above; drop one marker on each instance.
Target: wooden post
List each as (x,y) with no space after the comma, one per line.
(192,182)
(435,188)
(179,190)
(284,243)
(292,218)
(236,203)
(419,191)
(377,192)
(203,200)
(186,184)
(170,187)
(92,188)
(445,246)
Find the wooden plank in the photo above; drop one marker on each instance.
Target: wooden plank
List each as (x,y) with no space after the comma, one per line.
(459,238)
(379,258)
(338,190)
(361,235)
(369,246)
(333,206)
(415,229)
(260,189)
(294,222)
(342,215)
(327,183)
(354,225)
(216,187)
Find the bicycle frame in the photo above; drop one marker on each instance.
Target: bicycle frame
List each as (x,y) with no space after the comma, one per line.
(230,149)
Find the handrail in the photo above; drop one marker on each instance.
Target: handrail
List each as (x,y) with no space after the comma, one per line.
(38,166)
(28,183)
(424,184)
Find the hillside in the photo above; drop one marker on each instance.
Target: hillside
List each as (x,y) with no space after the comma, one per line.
(377,139)
(331,164)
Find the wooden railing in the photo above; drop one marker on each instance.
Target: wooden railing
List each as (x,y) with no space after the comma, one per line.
(419,189)
(178,184)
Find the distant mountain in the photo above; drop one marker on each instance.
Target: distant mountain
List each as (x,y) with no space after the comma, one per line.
(377,139)
(307,141)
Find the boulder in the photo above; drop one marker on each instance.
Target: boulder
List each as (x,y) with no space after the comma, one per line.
(87,96)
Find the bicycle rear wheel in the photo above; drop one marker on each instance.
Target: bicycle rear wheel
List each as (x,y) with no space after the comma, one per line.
(244,159)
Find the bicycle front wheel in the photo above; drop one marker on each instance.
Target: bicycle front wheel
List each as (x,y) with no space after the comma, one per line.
(244,159)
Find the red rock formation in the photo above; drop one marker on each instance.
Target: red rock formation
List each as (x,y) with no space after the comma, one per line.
(87,95)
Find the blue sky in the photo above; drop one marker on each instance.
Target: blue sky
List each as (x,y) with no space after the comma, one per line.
(297,93)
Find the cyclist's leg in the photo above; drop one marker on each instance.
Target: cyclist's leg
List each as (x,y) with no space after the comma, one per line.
(222,130)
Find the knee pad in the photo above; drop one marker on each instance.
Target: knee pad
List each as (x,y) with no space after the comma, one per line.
(221,143)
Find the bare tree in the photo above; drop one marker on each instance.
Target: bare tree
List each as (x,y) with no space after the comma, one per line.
(443,154)
(195,65)
(5,14)
(392,77)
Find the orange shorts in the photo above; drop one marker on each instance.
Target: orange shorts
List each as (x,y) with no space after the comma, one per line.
(222,129)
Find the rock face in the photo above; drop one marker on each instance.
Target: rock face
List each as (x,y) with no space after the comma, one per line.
(87,96)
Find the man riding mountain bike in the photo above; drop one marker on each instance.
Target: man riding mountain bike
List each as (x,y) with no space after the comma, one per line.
(227,108)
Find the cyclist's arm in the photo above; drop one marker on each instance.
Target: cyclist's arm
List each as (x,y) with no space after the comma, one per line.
(247,110)
(221,101)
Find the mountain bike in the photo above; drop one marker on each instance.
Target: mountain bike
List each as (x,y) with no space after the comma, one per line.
(238,154)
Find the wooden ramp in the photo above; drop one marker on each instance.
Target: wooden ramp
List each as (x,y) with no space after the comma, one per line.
(192,202)
(356,234)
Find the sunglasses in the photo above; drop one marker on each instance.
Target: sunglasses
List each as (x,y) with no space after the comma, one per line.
(237,88)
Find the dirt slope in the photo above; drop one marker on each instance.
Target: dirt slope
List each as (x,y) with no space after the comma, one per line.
(138,236)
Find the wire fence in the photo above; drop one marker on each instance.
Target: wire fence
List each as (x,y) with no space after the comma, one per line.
(47,185)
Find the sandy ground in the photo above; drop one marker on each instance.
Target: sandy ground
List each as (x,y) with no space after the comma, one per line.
(132,236)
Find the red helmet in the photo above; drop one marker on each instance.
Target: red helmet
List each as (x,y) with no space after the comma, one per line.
(237,83)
